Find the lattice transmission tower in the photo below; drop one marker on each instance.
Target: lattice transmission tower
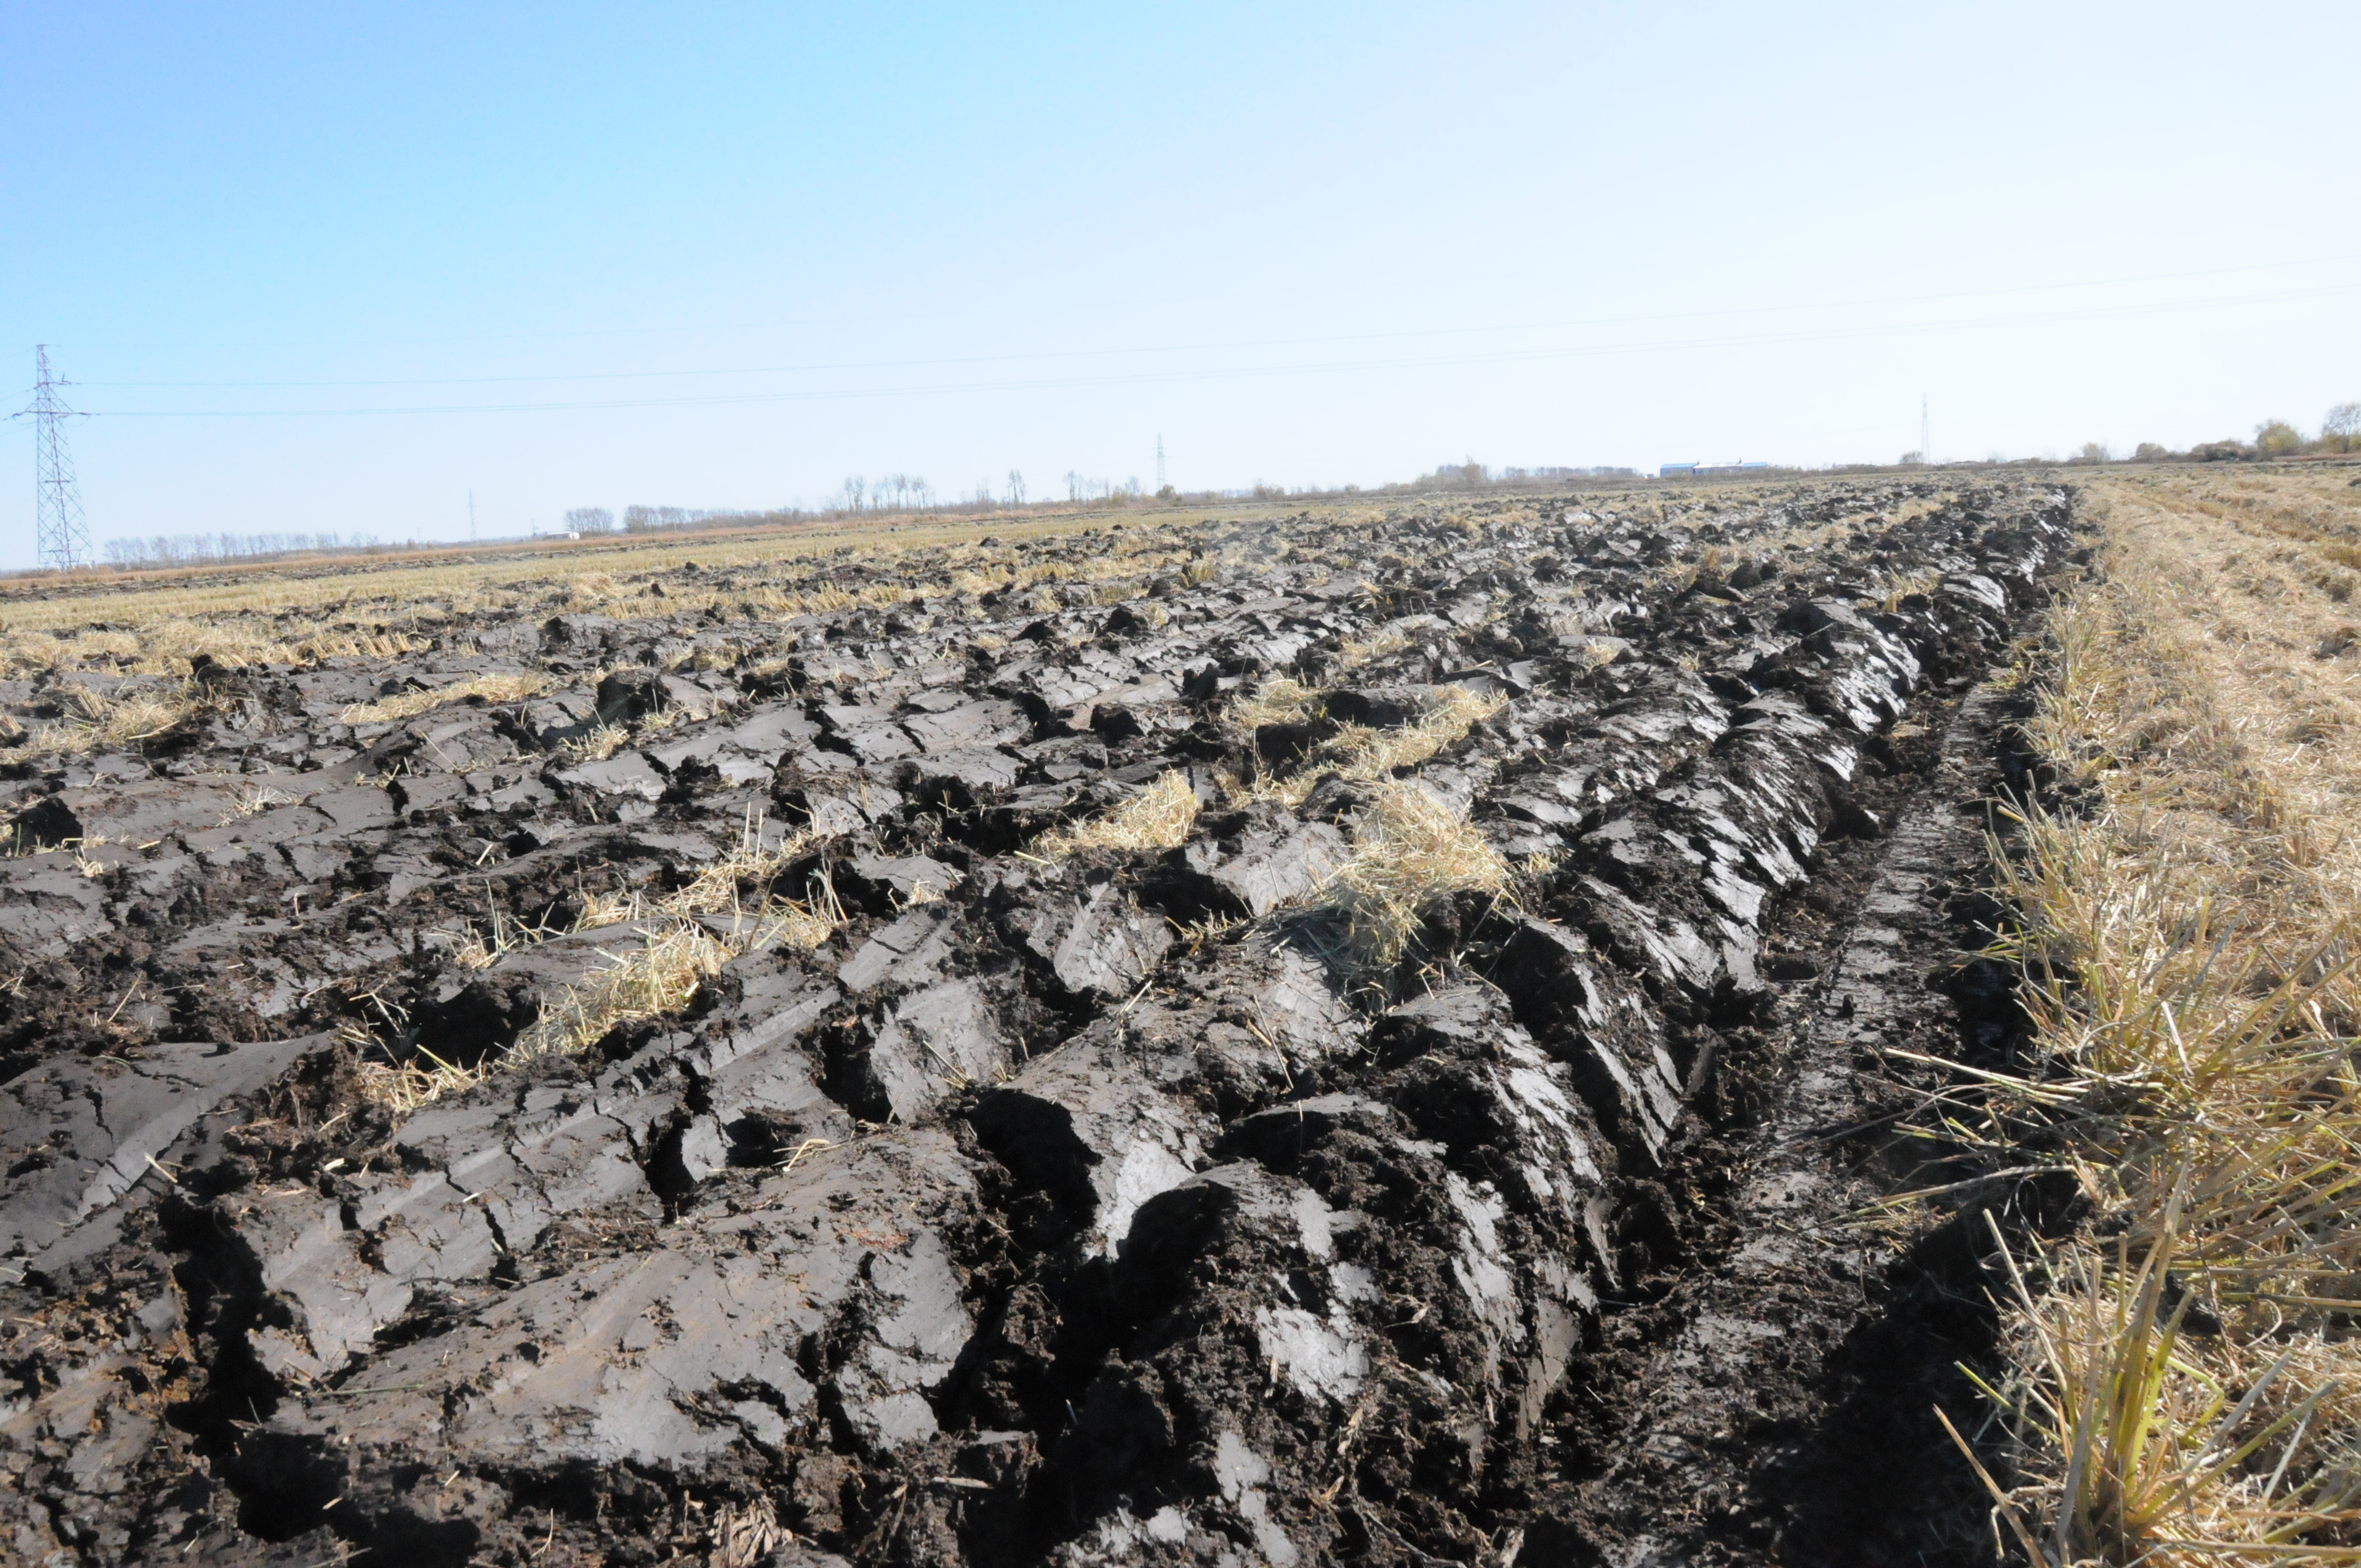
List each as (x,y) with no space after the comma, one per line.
(59,539)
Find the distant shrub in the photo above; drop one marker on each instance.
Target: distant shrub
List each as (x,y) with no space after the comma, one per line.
(2276,438)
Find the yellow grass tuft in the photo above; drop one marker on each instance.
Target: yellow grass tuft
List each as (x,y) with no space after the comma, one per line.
(1159,817)
(590,588)
(1410,852)
(677,954)
(410,705)
(602,742)
(253,800)
(657,978)
(1387,639)
(1360,754)
(1280,700)
(100,724)
(1900,587)
(716,889)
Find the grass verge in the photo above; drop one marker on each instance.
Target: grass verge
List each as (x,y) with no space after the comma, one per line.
(2185,1378)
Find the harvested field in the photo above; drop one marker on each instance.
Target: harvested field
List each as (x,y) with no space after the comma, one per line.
(1367,1036)
(2181,1379)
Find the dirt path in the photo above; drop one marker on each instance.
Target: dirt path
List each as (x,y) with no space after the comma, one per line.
(675,1101)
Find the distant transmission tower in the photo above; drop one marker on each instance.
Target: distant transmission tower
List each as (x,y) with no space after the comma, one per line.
(1926,448)
(60,540)
(1160,461)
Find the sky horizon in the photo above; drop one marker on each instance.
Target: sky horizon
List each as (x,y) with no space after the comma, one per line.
(334,270)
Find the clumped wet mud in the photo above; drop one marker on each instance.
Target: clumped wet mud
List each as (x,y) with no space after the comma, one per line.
(1081,1207)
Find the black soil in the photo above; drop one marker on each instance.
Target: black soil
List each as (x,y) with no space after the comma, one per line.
(1078,1209)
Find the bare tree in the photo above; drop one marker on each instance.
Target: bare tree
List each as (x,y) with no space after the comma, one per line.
(590,519)
(1073,487)
(189,548)
(853,488)
(1016,489)
(2341,426)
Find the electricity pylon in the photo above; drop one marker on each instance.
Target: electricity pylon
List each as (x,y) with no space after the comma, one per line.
(59,539)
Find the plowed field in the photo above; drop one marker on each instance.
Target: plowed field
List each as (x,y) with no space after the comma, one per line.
(1319,1039)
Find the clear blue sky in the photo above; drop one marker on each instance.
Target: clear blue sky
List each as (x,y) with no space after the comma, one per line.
(718,255)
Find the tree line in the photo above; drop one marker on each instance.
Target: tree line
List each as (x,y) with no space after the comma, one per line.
(647,520)
(206,549)
(2340,432)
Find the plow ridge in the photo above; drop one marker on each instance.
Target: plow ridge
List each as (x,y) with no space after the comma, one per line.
(1329,1059)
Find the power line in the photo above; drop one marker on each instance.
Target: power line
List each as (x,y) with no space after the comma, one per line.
(59,539)
(907,320)
(1502,356)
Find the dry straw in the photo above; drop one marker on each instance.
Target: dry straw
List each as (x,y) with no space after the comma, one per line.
(101,724)
(684,940)
(1159,817)
(514,687)
(2192,979)
(1357,753)
(1410,852)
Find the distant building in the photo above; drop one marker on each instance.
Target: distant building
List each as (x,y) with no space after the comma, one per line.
(1690,470)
